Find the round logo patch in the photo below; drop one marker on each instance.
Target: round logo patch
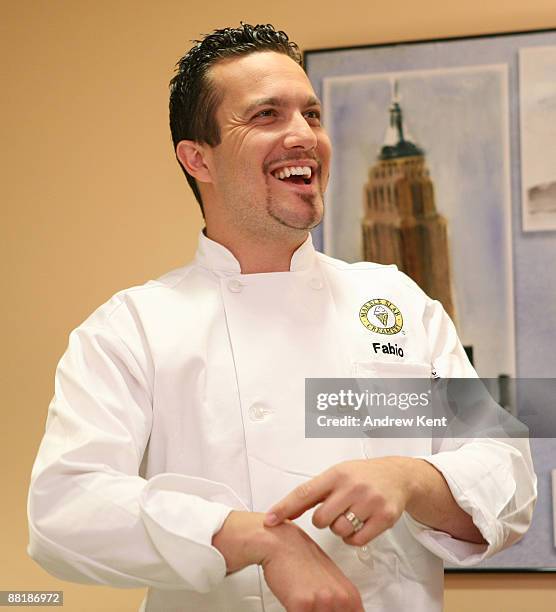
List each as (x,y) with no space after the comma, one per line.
(381,316)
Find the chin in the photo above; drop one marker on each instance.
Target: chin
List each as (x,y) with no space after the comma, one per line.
(305,219)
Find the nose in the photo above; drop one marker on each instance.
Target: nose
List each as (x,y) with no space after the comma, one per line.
(300,134)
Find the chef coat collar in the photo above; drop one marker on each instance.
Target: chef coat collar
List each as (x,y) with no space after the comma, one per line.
(214,256)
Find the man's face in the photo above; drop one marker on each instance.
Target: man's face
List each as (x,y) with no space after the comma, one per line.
(269,121)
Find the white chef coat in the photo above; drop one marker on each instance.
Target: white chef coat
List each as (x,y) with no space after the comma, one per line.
(182,399)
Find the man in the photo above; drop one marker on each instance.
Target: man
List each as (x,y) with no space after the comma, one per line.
(178,413)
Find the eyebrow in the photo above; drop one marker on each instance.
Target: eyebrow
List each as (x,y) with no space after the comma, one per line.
(279,102)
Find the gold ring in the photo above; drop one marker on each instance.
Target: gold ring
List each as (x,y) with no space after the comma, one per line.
(356,522)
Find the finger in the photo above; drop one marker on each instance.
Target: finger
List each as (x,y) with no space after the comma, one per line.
(302,498)
(343,527)
(376,524)
(332,507)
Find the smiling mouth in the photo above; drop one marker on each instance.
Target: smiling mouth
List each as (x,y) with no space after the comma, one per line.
(299,176)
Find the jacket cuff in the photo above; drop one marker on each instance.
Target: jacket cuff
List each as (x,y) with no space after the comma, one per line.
(181,515)
(445,546)
(482,485)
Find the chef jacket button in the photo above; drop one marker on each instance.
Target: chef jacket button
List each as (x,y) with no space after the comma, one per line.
(235,286)
(316,283)
(364,554)
(257,412)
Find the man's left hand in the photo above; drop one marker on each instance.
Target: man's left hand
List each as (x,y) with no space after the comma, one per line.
(376,491)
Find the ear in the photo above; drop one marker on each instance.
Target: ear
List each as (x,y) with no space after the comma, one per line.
(191,156)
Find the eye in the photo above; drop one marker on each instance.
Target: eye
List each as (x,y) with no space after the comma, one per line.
(313,116)
(267,112)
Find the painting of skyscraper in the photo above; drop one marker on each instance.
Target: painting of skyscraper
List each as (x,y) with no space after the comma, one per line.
(400,222)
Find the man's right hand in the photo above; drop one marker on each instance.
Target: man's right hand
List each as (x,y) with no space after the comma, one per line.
(296,569)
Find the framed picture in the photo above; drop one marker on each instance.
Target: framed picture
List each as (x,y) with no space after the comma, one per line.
(444,164)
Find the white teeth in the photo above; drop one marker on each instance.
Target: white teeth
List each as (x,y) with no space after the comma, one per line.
(283,173)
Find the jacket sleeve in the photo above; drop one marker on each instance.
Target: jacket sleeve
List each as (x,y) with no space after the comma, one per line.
(92,517)
(493,480)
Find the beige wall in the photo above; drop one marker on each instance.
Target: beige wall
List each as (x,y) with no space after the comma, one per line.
(94,201)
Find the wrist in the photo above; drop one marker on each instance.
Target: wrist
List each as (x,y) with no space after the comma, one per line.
(420,473)
(244,540)
(265,541)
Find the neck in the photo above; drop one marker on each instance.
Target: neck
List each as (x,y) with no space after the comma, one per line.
(257,255)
